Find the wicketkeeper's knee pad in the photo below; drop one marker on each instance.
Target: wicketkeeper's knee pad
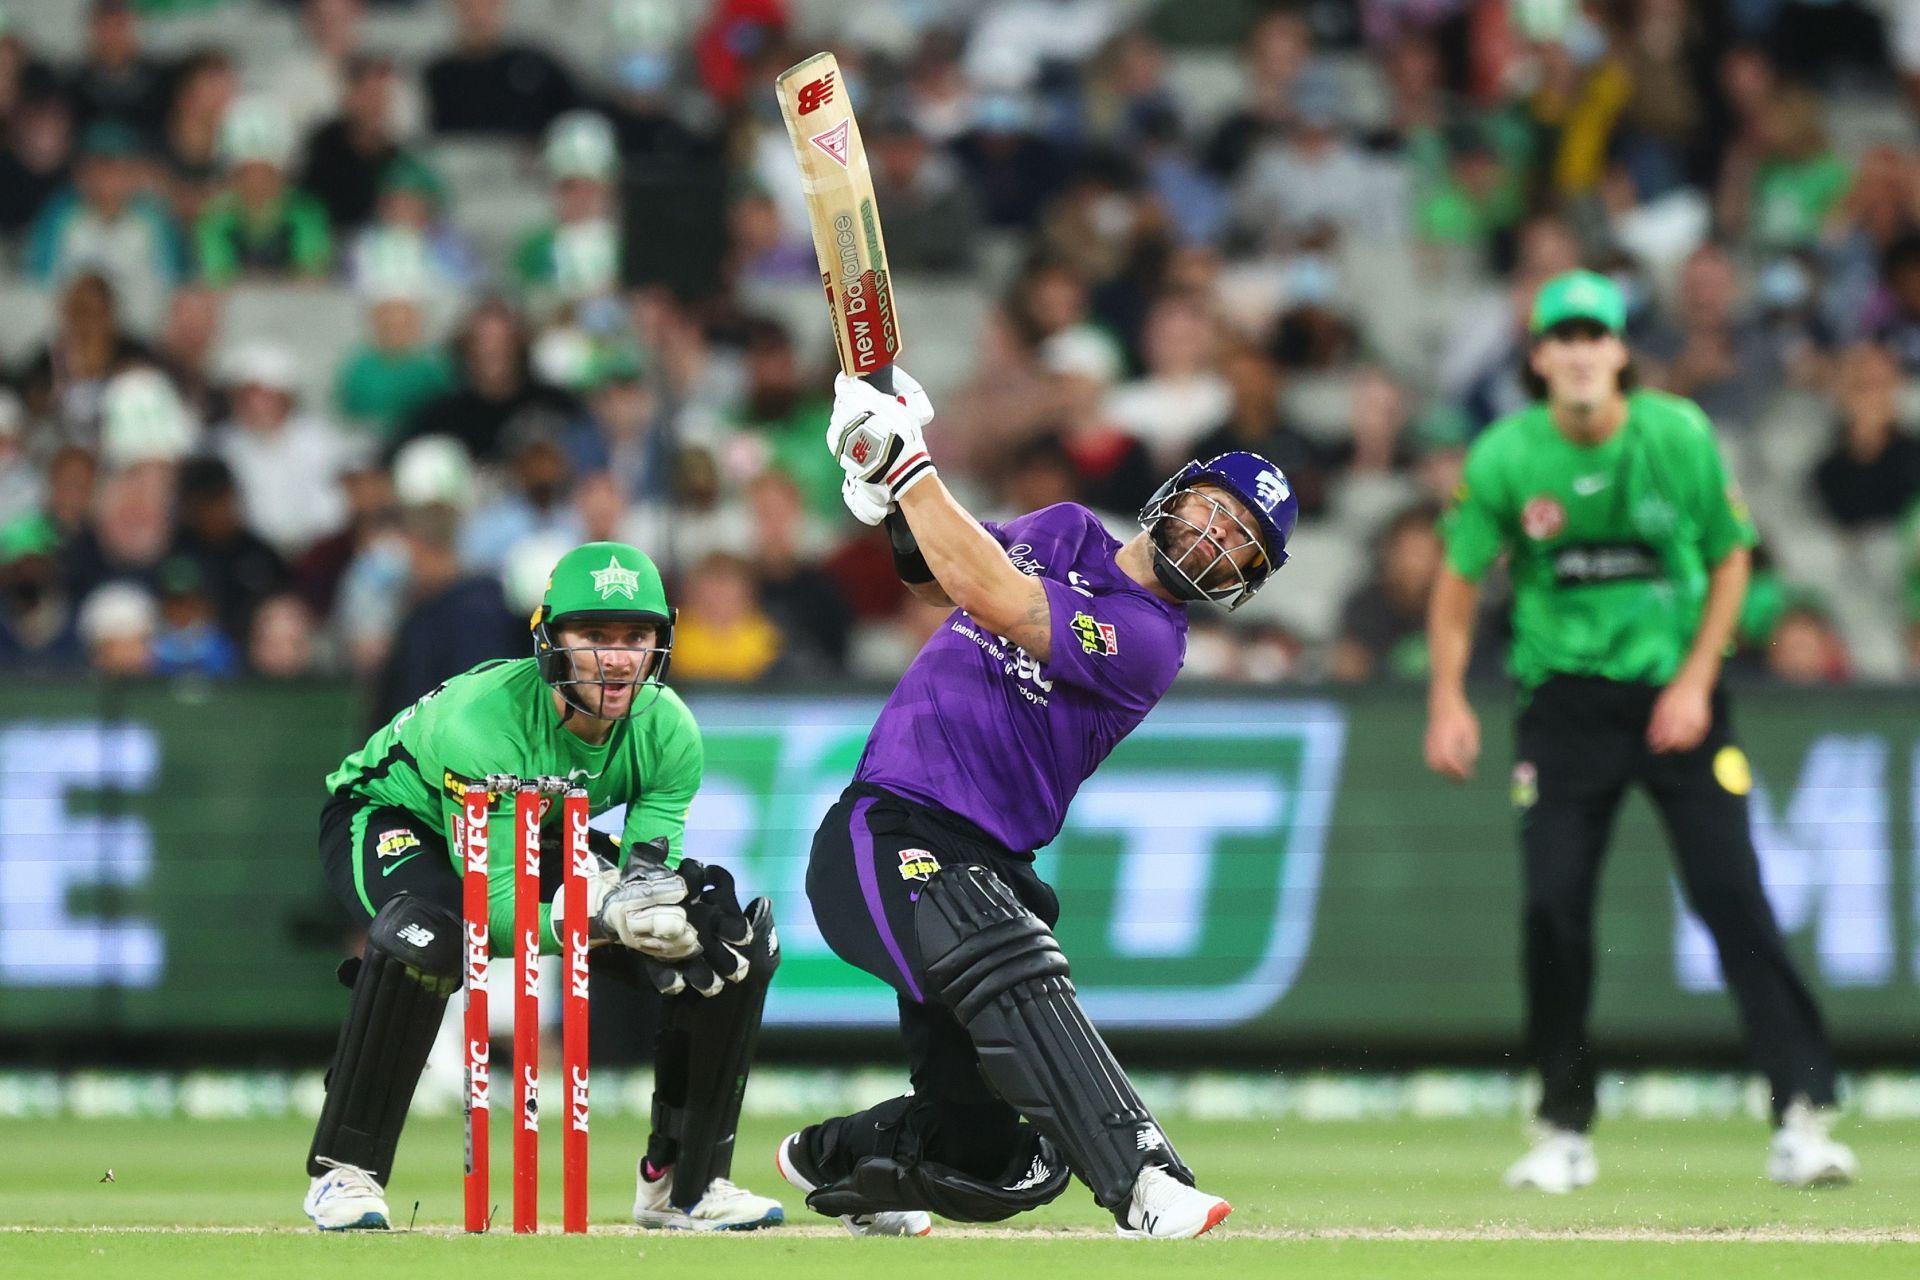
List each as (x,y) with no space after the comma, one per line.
(400,991)
(999,969)
(881,1184)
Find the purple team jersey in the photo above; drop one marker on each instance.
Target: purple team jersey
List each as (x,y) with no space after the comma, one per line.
(980,728)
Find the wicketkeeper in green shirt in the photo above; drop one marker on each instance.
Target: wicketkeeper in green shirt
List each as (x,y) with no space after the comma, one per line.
(589,707)
(1629,551)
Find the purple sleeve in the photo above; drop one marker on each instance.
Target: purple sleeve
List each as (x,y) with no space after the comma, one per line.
(1117,646)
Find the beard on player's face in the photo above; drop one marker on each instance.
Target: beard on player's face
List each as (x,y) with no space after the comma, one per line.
(1210,537)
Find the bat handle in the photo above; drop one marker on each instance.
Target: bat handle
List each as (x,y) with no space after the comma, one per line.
(882,379)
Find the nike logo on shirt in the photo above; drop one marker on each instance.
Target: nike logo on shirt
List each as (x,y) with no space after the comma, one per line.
(387,871)
(1587,486)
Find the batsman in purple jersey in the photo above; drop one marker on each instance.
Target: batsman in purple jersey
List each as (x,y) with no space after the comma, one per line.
(1062,640)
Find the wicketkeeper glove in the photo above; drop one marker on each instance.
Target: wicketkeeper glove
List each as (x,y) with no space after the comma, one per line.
(723,930)
(642,907)
(879,438)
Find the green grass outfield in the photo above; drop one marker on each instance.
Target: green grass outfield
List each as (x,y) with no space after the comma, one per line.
(1368,1198)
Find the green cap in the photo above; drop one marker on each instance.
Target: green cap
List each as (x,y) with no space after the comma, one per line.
(1579,295)
(30,535)
(604,579)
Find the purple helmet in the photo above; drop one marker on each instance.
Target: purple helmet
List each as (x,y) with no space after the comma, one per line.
(1261,487)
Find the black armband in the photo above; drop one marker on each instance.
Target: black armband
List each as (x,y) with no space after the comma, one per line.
(907,560)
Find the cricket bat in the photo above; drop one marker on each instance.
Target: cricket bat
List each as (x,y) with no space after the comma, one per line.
(840,210)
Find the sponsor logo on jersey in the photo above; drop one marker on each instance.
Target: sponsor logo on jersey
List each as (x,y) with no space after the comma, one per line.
(1542,518)
(456,786)
(615,580)
(917,864)
(391,844)
(1587,486)
(1096,637)
(1589,562)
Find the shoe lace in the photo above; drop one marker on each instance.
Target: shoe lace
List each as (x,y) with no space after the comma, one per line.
(351,1177)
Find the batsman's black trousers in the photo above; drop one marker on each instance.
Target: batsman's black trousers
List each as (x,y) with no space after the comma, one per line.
(871,855)
(1581,742)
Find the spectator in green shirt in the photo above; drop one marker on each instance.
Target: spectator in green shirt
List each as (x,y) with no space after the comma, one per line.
(261,226)
(393,371)
(576,254)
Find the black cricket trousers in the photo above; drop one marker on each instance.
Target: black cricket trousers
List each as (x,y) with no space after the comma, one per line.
(1581,742)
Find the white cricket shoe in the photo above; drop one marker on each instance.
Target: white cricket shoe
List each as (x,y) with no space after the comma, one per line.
(346,1198)
(787,1158)
(1560,1161)
(1803,1154)
(1164,1208)
(725,1207)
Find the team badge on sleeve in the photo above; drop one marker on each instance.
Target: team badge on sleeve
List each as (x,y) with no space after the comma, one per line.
(917,864)
(1097,638)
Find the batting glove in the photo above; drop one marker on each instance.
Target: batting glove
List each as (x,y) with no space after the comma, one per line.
(867,501)
(878,438)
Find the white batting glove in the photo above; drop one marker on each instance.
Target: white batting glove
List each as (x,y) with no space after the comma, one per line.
(868,502)
(877,438)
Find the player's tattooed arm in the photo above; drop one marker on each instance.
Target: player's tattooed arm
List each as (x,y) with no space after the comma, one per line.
(973,570)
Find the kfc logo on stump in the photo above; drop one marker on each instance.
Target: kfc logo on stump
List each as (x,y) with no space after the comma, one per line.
(1542,518)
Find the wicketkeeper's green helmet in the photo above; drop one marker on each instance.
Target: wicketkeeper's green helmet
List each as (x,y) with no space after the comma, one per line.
(602,582)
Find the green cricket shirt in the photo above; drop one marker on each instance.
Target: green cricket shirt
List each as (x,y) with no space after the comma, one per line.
(1610,544)
(499,718)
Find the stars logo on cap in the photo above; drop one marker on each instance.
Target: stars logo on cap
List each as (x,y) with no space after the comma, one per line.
(615,579)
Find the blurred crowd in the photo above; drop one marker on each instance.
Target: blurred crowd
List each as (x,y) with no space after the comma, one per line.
(1138,232)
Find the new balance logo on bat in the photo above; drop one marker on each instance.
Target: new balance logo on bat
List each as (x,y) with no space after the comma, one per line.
(815,95)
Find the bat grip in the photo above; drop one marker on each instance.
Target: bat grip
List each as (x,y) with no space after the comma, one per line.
(882,379)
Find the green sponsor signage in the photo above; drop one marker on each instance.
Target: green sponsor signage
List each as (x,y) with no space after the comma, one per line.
(1247,872)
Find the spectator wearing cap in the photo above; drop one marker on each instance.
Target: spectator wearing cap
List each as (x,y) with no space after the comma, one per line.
(390,373)
(62,382)
(454,619)
(38,627)
(933,220)
(262,226)
(1115,472)
(108,223)
(576,252)
(496,385)
(131,526)
(347,157)
(1872,472)
(204,88)
(118,623)
(410,246)
(36,161)
(115,79)
(237,566)
(287,463)
(626,416)
(188,641)
(488,84)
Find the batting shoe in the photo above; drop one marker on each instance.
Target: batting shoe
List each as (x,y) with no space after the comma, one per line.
(725,1207)
(790,1158)
(1560,1161)
(346,1198)
(1164,1208)
(1804,1154)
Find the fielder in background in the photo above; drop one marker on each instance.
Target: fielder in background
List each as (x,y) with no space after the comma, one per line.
(590,707)
(922,873)
(1629,553)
